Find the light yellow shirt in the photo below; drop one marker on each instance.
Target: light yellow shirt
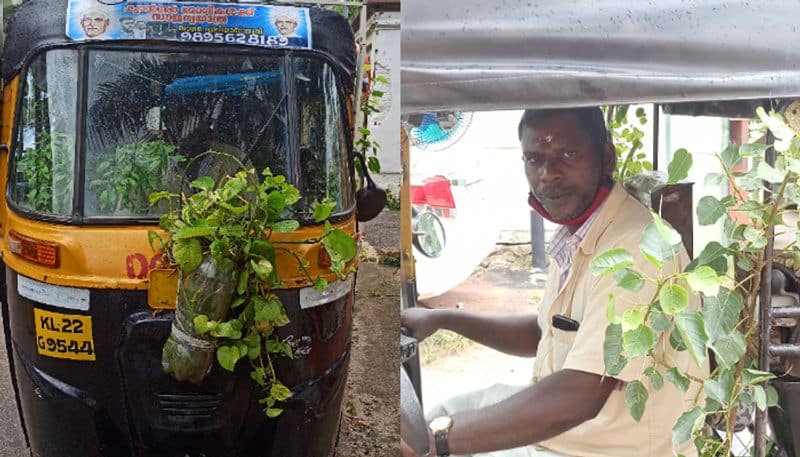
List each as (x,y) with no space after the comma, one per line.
(584,297)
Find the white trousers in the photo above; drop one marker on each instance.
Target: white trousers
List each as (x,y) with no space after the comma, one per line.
(480,399)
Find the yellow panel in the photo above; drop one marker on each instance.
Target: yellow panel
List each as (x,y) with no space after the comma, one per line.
(64,336)
(163,290)
(121,257)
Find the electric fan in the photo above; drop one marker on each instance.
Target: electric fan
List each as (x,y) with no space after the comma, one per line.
(436,131)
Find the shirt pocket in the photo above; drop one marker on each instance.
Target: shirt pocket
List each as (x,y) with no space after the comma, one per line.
(562,344)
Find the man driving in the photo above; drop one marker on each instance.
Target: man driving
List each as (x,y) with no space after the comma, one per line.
(570,409)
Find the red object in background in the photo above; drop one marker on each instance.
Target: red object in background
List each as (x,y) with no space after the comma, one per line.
(434,191)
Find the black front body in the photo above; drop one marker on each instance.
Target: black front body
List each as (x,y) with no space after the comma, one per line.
(122,404)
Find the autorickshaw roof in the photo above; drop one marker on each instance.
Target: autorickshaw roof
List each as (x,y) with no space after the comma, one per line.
(39,24)
(511,54)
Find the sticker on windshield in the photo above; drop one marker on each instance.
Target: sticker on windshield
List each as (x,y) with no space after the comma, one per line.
(253,25)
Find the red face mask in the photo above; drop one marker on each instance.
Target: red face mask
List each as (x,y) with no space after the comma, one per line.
(599,198)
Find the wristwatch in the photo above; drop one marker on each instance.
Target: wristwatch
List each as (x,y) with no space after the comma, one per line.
(440,427)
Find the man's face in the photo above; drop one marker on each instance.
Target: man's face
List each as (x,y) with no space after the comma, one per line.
(563,166)
(285,26)
(94,24)
(127,25)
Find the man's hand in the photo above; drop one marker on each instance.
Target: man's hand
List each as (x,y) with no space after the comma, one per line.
(421,322)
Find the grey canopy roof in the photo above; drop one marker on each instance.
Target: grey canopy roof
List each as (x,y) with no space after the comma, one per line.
(504,54)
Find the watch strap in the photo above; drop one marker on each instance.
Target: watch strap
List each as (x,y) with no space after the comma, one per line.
(442,450)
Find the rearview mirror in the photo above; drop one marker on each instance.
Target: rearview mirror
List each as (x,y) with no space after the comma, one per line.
(370,200)
(429,235)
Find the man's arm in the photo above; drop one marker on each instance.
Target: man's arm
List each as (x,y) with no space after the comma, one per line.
(556,404)
(515,334)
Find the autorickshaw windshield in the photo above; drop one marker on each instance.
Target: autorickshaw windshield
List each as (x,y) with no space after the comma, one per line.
(152,121)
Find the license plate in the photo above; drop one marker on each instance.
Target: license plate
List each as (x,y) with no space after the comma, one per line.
(64,336)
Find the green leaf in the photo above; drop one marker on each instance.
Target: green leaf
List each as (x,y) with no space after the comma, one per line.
(775,123)
(632,319)
(612,350)
(227,356)
(636,399)
(709,210)
(241,284)
(721,312)
(752,377)
(279,347)
(720,386)
(267,309)
(654,246)
(201,324)
(156,197)
(730,156)
(678,379)
(693,333)
(673,299)
(676,341)
(772,396)
(193,232)
(768,173)
(760,396)
(187,254)
(712,252)
(639,341)
(686,424)
(285,226)
(714,179)
(753,150)
(204,183)
(729,349)
(678,168)
(237,302)
(320,284)
(340,246)
(263,269)
(667,233)
(280,392)
(704,280)
(658,321)
(656,380)
(610,261)
(273,412)
(322,210)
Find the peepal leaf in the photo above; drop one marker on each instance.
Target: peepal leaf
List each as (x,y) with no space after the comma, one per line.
(709,210)
(636,398)
(227,356)
(673,299)
(768,173)
(656,380)
(678,379)
(760,396)
(752,377)
(704,279)
(629,279)
(729,349)
(721,312)
(285,226)
(612,350)
(730,156)
(655,247)
(638,341)
(262,269)
(679,166)
(610,261)
(323,209)
(720,387)
(693,333)
(280,392)
(187,254)
(686,424)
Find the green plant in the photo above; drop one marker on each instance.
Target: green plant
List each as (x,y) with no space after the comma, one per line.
(370,104)
(48,173)
(627,141)
(442,343)
(124,180)
(231,223)
(726,275)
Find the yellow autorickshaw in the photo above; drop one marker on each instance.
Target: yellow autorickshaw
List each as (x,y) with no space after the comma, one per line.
(106,102)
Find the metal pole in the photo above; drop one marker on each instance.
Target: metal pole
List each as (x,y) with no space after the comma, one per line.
(765,316)
(538,257)
(656,120)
